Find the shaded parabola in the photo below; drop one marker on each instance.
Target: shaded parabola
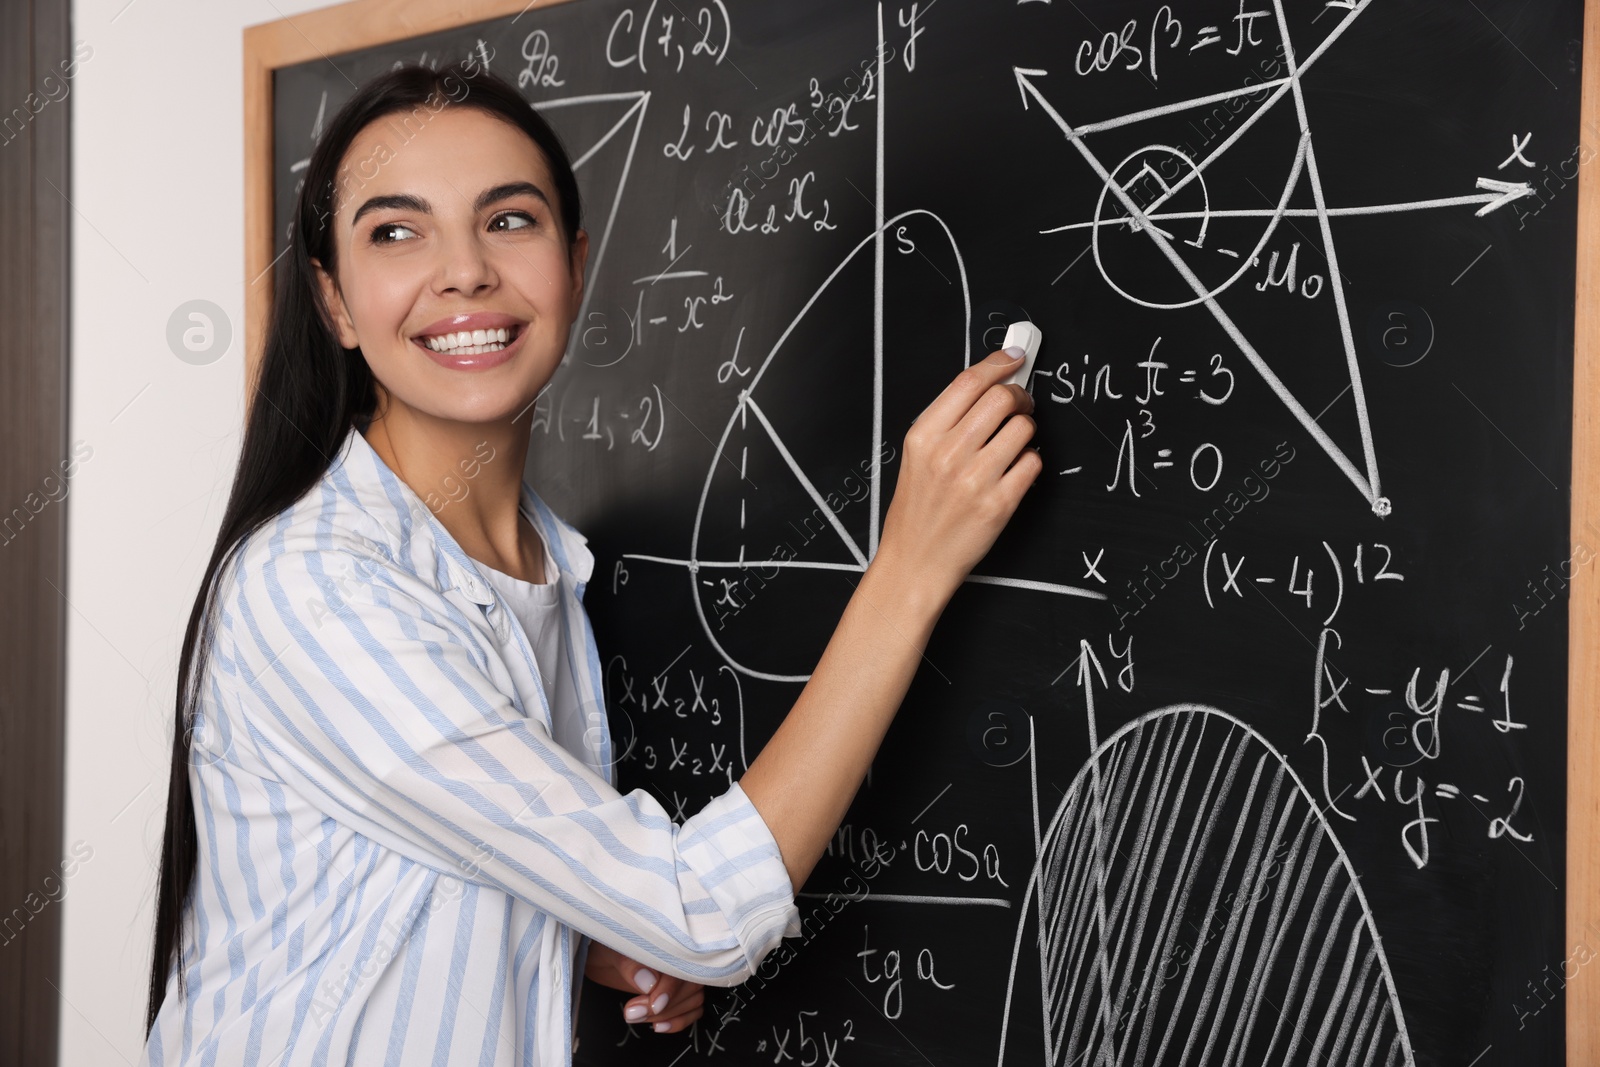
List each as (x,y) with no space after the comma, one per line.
(1195,908)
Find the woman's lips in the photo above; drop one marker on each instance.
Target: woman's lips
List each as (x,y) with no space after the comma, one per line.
(480,361)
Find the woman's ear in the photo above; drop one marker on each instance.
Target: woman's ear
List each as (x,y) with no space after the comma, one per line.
(580,257)
(342,325)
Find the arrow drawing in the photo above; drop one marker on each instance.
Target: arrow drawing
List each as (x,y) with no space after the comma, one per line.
(1503,193)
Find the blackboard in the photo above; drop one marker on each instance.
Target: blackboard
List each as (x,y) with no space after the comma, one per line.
(1248,740)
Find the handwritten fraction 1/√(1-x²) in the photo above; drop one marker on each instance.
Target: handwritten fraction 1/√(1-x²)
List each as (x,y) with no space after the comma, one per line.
(751,417)
(1119,210)
(1195,907)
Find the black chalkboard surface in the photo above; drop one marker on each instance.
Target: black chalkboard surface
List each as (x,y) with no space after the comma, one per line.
(1246,743)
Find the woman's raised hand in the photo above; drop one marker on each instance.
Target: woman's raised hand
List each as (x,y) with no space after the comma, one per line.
(956,490)
(958,486)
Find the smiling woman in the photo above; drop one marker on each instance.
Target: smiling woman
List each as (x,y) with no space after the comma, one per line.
(393,831)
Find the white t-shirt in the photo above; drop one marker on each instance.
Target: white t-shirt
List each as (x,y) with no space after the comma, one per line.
(538,609)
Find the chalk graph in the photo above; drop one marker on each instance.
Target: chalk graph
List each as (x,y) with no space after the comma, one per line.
(1157,191)
(1194,907)
(1136,175)
(748,413)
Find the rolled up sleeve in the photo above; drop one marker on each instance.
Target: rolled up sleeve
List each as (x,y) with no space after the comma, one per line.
(382,706)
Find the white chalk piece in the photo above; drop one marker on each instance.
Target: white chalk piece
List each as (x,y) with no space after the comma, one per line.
(1026,336)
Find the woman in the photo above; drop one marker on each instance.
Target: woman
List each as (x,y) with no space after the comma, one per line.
(392,832)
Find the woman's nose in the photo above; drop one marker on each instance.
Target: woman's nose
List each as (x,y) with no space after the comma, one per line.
(463,265)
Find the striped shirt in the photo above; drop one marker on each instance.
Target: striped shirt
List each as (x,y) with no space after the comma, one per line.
(399,862)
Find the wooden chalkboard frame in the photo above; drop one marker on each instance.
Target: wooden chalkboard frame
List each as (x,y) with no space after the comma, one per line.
(365,23)
(1583,610)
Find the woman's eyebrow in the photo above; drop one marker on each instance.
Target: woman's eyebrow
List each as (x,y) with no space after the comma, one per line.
(409,202)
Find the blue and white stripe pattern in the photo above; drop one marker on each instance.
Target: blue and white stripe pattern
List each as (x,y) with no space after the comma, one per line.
(399,864)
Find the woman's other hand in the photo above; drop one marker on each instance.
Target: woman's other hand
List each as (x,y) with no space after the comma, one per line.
(664,1003)
(958,486)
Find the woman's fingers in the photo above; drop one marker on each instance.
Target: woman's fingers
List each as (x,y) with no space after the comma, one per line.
(1007,446)
(612,969)
(992,408)
(950,406)
(680,1022)
(680,1012)
(664,1003)
(1026,467)
(669,1000)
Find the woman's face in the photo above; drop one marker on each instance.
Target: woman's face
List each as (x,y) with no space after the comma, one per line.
(454,277)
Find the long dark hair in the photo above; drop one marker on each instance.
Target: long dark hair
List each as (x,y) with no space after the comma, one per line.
(310,392)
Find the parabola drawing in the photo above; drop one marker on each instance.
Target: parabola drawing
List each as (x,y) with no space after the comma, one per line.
(1194,907)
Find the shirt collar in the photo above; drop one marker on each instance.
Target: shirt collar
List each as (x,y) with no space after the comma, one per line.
(361,473)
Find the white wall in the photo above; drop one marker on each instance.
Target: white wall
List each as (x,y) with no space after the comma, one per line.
(158,194)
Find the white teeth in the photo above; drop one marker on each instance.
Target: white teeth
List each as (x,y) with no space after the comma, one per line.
(469,342)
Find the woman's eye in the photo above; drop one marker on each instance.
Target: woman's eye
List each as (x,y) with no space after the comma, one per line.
(514,220)
(380,234)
